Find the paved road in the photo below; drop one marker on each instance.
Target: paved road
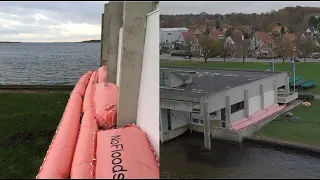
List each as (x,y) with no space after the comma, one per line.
(168,57)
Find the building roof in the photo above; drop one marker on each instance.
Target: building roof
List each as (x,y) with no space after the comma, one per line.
(214,34)
(188,36)
(208,81)
(236,39)
(175,29)
(265,37)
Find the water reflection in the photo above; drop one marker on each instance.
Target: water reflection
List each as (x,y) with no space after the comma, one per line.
(185,157)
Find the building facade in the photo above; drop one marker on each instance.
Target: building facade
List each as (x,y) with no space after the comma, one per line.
(219,103)
(169,35)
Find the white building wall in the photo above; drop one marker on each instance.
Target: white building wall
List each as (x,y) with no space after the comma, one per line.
(179,118)
(171,34)
(254,104)
(268,98)
(149,100)
(237,115)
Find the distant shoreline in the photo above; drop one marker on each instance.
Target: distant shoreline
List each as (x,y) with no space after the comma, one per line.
(8,42)
(90,41)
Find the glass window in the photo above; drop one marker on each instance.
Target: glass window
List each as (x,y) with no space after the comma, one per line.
(237,107)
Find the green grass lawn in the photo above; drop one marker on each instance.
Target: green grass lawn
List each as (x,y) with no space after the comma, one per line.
(305,131)
(28,123)
(309,71)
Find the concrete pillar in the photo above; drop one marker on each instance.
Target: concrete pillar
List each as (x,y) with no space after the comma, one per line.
(115,23)
(163,125)
(105,35)
(134,30)
(207,134)
(246,103)
(262,96)
(275,89)
(228,113)
(205,117)
(287,87)
(101,48)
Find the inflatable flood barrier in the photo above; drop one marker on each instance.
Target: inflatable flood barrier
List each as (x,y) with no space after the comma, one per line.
(86,155)
(120,157)
(102,74)
(64,142)
(106,103)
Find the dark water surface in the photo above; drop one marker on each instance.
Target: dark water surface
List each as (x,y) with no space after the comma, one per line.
(46,63)
(184,157)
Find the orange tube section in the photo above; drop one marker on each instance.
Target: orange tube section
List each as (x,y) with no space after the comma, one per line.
(102,74)
(125,153)
(82,84)
(83,164)
(57,163)
(106,102)
(88,100)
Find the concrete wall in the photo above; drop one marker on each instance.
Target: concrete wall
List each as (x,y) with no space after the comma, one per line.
(254,104)
(179,118)
(237,115)
(148,102)
(217,101)
(268,98)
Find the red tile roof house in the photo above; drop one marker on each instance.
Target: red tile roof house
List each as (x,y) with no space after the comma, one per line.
(217,35)
(237,44)
(189,38)
(262,44)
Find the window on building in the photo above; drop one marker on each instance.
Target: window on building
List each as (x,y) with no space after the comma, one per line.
(197,111)
(169,33)
(213,113)
(169,119)
(195,120)
(237,107)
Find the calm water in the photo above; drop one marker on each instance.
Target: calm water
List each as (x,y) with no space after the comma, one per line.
(47,63)
(184,157)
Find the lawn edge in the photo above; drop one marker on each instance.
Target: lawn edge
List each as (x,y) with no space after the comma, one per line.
(282,143)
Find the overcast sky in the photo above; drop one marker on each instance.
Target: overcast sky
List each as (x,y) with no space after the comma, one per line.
(51,21)
(225,7)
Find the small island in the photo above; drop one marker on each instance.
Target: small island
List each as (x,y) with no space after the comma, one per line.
(91,41)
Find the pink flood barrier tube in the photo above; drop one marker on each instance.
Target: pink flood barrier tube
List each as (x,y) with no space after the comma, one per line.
(102,74)
(57,162)
(88,100)
(82,84)
(83,163)
(125,153)
(106,102)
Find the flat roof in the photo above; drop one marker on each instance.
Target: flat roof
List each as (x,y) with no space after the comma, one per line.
(207,81)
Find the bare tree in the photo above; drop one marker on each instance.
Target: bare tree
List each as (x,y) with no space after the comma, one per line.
(225,49)
(209,47)
(189,51)
(305,46)
(244,49)
(284,48)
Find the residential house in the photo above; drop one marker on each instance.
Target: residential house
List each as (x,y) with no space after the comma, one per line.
(262,44)
(189,38)
(217,35)
(237,45)
(313,32)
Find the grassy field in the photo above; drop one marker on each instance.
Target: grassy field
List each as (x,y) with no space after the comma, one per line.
(305,131)
(28,123)
(309,71)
